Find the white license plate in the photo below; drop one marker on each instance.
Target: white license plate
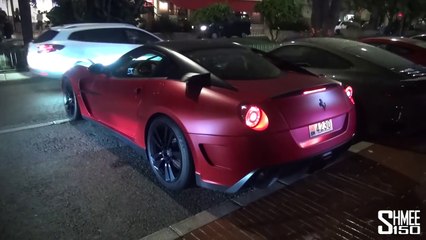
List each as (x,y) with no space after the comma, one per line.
(320,128)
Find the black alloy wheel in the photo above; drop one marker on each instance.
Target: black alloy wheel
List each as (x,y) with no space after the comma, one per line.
(70,103)
(169,154)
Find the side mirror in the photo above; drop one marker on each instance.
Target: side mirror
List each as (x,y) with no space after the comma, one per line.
(97,68)
(195,82)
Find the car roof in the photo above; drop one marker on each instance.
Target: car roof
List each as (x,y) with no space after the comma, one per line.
(196,44)
(81,26)
(330,43)
(403,40)
(419,35)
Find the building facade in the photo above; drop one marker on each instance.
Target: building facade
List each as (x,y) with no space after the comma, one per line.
(175,8)
(9,7)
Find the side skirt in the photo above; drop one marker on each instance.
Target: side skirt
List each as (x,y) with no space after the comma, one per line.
(124,139)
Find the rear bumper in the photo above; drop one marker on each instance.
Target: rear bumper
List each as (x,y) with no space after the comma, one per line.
(229,163)
(265,177)
(49,64)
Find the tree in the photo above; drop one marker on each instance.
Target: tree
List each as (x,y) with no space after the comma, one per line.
(325,14)
(212,13)
(27,26)
(96,11)
(279,13)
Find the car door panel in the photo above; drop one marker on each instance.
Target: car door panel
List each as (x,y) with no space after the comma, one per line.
(127,96)
(93,90)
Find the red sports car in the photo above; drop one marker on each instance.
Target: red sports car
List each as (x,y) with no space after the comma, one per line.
(214,112)
(411,49)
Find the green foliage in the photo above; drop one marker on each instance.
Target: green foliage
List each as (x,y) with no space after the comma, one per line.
(72,11)
(279,13)
(212,13)
(61,13)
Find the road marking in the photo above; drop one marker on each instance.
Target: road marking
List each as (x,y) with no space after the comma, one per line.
(38,125)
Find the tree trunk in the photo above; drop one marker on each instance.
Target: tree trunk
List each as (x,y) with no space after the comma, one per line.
(325,14)
(377,18)
(333,15)
(316,16)
(27,25)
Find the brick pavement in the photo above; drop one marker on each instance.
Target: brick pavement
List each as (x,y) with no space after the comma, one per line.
(340,202)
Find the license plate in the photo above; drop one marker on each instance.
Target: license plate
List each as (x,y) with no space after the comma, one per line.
(320,128)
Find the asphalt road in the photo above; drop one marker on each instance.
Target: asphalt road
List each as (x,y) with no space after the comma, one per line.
(77,181)
(31,101)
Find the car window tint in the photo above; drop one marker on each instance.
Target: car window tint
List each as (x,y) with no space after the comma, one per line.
(234,63)
(46,36)
(423,38)
(398,50)
(142,64)
(104,35)
(139,37)
(294,54)
(311,57)
(380,45)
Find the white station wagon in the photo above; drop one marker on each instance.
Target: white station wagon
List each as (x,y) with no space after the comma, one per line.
(58,49)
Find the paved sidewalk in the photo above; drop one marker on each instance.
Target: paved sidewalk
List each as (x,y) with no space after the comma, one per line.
(341,202)
(13,76)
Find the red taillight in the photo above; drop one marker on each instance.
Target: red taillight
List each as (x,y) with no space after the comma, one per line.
(47,48)
(254,117)
(350,92)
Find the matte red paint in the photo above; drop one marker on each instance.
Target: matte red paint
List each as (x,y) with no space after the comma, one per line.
(223,148)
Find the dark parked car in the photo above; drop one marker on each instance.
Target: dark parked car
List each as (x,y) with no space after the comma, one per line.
(411,49)
(213,112)
(234,26)
(390,91)
(421,37)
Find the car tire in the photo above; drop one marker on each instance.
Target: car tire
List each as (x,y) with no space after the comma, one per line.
(243,35)
(214,35)
(169,155)
(71,106)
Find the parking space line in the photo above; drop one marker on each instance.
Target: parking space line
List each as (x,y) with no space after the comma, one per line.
(55,122)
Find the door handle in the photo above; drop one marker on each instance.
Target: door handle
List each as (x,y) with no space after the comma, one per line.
(137,92)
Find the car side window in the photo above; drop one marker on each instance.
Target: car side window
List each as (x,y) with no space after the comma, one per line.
(423,38)
(104,35)
(380,45)
(139,37)
(398,50)
(148,64)
(312,57)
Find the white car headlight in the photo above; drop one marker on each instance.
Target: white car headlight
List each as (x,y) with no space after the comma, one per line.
(203,28)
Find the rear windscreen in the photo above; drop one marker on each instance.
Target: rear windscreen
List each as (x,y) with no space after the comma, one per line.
(234,63)
(46,36)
